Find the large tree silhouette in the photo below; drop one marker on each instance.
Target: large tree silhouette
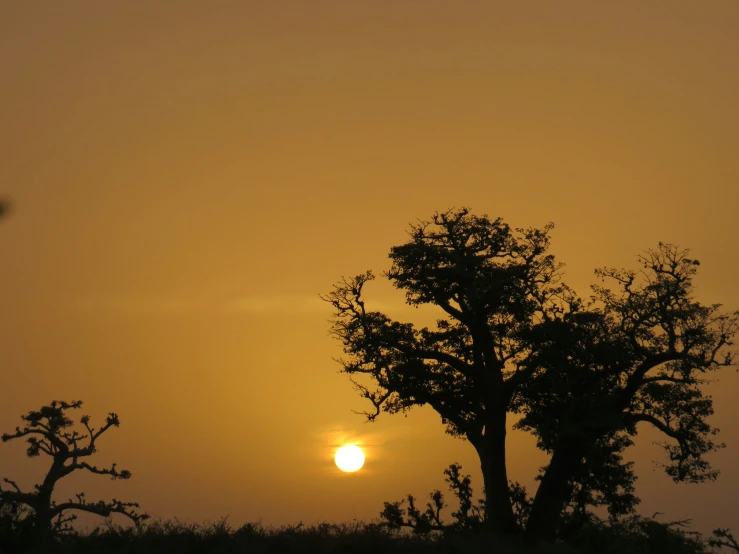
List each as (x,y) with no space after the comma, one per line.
(635,355)
(47,431)
(514,338)
(492,284)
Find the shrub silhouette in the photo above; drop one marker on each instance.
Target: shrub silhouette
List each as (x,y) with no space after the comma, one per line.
(468,517)
(632,535)
(584,532)
(15,526)
(48,432)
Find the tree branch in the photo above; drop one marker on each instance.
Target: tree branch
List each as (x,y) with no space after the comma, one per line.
(112,471)
(660,425)
(102,508)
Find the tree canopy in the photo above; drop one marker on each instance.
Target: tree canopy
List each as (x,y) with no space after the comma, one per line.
(48,431)
(493,284)
(636,353)
(513,337)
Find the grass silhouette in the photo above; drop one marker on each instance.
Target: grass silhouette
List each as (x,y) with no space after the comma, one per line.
(638,535)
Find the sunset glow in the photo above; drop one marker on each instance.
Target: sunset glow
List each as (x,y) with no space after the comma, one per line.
(182,182)
(349,458)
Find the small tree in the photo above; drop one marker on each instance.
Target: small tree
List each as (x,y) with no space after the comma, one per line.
(48,431)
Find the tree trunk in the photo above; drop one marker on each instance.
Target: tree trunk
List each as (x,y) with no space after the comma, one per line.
(554,491)
(491,449)
(42,520)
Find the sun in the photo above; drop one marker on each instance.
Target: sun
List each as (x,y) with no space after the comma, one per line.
(349,458)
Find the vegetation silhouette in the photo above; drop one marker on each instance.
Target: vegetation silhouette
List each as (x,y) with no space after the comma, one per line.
(633,355)
(630,535)
(723,538)
(470,516)
(492,283)
(515,339)
(48,432)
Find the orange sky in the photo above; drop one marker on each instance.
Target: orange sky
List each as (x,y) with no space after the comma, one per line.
(189,176)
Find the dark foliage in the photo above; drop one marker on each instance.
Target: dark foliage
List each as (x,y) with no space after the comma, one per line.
(515,339)
(638,534)
(581,530)
(493,284)
(723,538)
(633,535)
(469,516)
(48,431)
(16,528)
(634,355)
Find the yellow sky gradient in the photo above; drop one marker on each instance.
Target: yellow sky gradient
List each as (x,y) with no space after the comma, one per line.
(189,176)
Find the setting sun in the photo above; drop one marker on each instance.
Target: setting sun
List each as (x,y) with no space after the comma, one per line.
(349,458)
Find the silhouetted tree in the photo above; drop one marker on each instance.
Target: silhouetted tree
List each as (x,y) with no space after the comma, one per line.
(48,432)
(633,355)
(493,284)
(514,338)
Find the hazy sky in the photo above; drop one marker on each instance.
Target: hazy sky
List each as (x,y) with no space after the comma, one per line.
(189,176)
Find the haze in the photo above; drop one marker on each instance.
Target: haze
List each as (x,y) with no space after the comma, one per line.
(188,177)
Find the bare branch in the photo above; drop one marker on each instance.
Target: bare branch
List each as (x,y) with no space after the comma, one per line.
(723,537)
(112,471)
(102,508)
